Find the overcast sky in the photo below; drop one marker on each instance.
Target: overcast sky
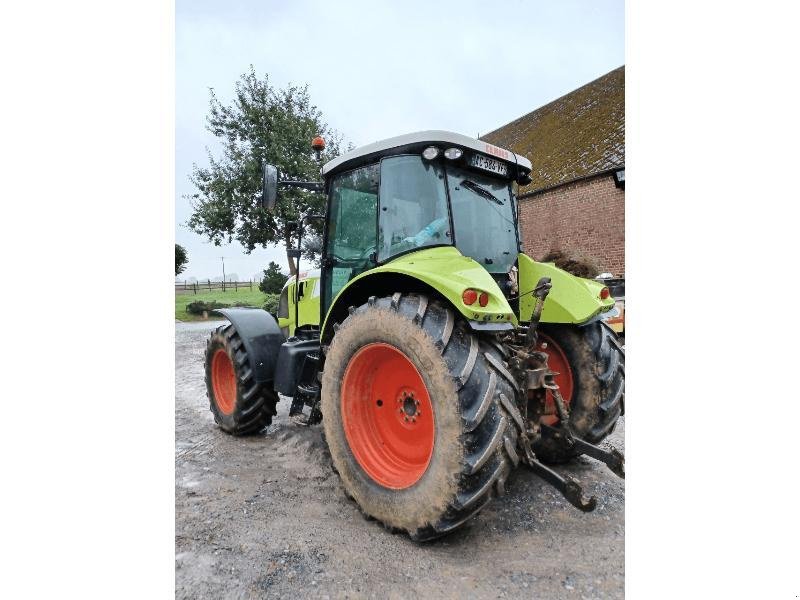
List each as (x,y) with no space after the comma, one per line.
(379,69)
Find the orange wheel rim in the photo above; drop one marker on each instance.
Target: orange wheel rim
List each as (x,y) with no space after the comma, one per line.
(557,361)
(223,381)
(387,416)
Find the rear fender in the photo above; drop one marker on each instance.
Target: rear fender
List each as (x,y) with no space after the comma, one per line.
(261,336)
(442,269)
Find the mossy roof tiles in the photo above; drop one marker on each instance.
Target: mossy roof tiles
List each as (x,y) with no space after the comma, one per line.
(575,136)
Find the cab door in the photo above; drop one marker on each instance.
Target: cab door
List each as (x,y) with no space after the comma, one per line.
(351,230)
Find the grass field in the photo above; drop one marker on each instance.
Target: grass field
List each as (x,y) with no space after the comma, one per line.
(251,298)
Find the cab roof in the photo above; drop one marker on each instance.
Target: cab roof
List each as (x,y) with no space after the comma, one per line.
(417,141)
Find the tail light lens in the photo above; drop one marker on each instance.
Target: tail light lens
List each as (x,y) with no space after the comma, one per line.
(604,293)
(483,299)
(469,297)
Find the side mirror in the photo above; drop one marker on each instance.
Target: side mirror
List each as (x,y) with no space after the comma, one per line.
(270,187)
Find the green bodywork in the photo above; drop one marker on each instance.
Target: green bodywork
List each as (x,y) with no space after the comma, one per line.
(450,273)
(307,307)
(571,300)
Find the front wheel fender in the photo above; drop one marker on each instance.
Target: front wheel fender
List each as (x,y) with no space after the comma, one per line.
(261,336)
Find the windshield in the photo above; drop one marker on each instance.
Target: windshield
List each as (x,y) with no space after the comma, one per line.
(413,206)
(483,218)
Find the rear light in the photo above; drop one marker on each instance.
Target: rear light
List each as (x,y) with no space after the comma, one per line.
(483,299)
(469,297)
(604,293)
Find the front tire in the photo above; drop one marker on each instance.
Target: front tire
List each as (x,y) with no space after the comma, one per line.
(400,358)
(240,405)
(591,367)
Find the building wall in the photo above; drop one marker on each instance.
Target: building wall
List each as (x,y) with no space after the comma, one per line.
(587,217)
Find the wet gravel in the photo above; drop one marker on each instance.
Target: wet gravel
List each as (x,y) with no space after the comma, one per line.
(266,517)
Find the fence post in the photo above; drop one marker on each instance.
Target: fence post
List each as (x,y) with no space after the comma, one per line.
(195,287)
(209,285)
(251,285)
(236,286)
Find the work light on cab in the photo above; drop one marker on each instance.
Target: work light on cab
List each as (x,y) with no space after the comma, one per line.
(430,153)
(453,153)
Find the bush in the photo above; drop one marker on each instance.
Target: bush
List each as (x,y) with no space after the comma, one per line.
(198,307)
(572,262)
(271,305)
(273,280)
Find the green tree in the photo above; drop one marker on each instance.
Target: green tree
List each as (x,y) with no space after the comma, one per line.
(261,124)
(181,258)
(273,280)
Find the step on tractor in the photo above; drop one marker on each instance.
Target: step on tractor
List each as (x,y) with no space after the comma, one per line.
(436,354)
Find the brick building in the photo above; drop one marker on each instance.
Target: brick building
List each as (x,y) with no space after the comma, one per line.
(576,201)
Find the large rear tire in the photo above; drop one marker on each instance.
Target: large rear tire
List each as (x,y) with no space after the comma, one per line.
(240,405)
(419,415)
(591,366)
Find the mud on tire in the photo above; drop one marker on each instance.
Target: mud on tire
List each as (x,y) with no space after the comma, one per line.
(239,404)
(598,367)
(476,421)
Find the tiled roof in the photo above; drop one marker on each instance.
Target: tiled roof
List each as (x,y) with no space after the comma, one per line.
(578,135)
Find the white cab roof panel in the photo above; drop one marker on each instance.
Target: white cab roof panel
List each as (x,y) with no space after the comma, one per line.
(441,138)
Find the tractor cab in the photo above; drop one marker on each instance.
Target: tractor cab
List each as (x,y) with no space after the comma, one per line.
(416,191)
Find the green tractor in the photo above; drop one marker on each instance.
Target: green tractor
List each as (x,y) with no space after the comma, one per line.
(436,354)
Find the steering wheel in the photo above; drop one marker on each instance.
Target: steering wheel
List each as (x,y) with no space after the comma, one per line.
(368,251)
(364,254)
(435,227)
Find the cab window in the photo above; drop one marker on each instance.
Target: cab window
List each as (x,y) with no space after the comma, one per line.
(352,227)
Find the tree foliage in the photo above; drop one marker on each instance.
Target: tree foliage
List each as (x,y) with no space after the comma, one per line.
(273,280)
(181,259)
(261,124)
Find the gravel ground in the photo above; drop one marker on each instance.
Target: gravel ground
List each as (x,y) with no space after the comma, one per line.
(265,516)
